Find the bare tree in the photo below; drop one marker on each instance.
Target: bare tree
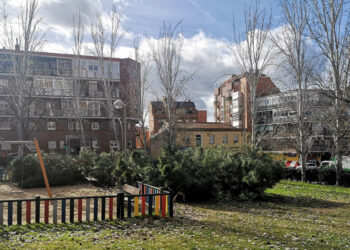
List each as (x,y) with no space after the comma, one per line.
(166,54)
(26,39)
(253,54)
(78,64)
(141,86)
(105,49)
(329,25)
(297,61)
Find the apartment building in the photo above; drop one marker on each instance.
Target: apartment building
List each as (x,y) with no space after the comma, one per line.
(52,118)
(232,102)
(277,116)
(186,111)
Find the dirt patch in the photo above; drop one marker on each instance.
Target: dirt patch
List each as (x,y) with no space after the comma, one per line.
(11,191)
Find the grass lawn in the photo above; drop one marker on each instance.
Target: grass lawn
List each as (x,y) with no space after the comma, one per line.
(293,215)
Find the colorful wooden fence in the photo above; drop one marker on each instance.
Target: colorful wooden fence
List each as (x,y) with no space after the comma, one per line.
(80,209)
(164,201)
(4,176)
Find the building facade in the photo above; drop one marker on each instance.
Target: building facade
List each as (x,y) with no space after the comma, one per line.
(186,111)
(199,134)
(191,135)
(232,102)
(49,113)
(277,123)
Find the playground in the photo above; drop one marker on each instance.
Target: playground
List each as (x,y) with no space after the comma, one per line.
(11,191)
(294,215)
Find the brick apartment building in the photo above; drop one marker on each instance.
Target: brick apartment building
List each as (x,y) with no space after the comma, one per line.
(51,117)
(232,102)
(186,111)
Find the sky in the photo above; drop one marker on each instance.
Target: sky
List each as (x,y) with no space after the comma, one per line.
(205,24)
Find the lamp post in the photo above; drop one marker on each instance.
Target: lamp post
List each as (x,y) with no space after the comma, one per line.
(119,104)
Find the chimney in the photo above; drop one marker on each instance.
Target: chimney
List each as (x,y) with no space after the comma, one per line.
(17,45)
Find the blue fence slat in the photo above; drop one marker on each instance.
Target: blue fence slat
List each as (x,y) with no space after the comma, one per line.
(150,204)
(129,207)
(63,211)
(95,208)
(9,215)
(103,208)
(71,210)
(37,209)
(19,212)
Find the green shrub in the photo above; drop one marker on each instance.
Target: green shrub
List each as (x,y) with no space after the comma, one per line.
(99,168)
(60,170)
(259,172)
(217,173)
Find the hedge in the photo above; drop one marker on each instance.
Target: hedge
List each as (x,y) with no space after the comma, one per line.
(324,176)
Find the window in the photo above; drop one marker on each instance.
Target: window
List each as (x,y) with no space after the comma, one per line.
(95,126)
(187,120)
(70,126)
(114,144)
(212,139)
(6,146)
(198,140)
(51,125)
(77,125)
(66,104)
(224,139)
(4,106)
(51,144)
(95,144)
(5,125)
(129,125)
(31,125)
(3,83)
(62,146)
(48,105)
(187,139)
(130,144)
(194,120)
(235,139)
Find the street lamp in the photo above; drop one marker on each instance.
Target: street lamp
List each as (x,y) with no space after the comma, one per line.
(119,104)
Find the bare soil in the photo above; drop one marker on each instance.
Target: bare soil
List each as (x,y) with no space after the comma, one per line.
(11,191)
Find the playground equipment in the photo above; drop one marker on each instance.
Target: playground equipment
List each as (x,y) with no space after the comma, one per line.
(42,166)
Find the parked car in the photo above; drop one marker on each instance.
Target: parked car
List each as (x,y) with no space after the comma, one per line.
(317,163)
(308,166)
(345,163)
(325,164)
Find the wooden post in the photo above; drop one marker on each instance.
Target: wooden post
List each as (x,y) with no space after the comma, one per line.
(43,170)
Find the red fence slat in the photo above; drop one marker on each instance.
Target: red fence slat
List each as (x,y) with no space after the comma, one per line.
(110,208)
(80,208)
(46,212)
(163,206)
(28,211)
(143,205)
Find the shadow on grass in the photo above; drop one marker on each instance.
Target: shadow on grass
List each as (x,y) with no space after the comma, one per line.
(302,202)
(270,201)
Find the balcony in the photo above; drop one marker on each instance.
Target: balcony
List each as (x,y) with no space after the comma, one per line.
(53,72)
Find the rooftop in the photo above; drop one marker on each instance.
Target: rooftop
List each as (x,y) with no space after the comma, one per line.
(207,126)
(181,104)
(49,54)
